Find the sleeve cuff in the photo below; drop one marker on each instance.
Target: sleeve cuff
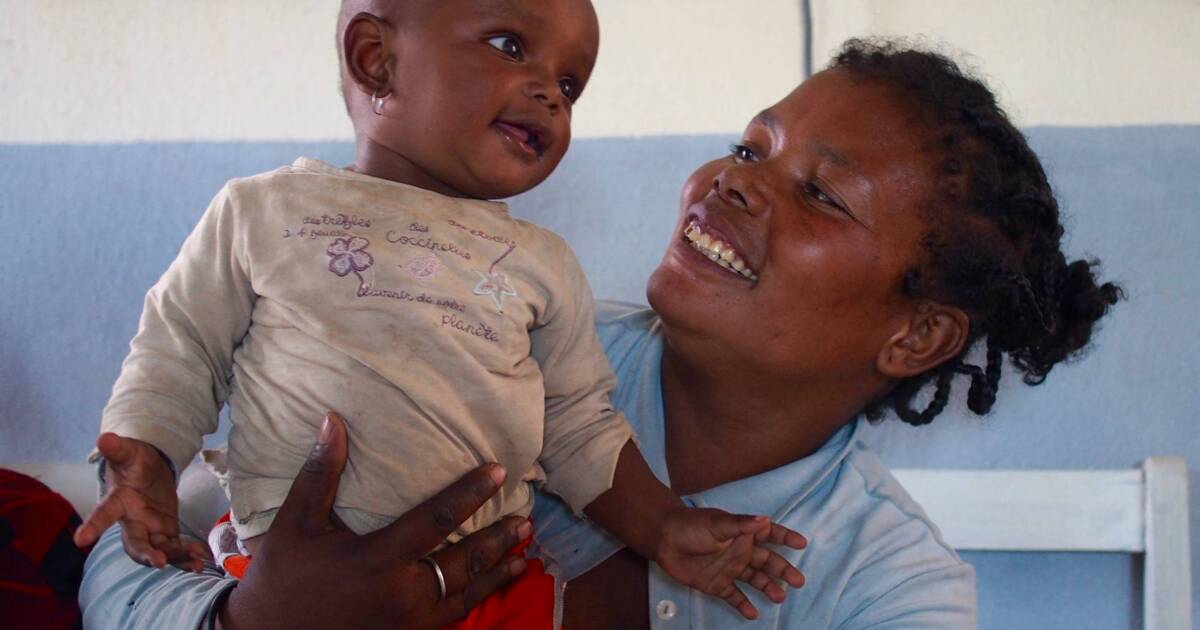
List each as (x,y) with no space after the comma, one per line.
(102,465)
(214,609)
(177,449)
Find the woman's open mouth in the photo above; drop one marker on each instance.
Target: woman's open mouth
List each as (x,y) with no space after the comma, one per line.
(717,250)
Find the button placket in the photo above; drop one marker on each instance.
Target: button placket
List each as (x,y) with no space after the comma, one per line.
(666,609)
(668,600)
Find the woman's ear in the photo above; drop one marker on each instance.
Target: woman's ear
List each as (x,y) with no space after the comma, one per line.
(934,334)
(366,49)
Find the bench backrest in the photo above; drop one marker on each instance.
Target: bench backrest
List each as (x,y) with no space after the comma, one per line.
(1142,511)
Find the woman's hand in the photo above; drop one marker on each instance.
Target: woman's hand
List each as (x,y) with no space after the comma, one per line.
(311,572)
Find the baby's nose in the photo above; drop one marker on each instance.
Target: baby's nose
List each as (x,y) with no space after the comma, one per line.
(540,92)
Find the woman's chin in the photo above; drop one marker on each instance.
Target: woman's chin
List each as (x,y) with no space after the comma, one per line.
(676,296)
(663,289)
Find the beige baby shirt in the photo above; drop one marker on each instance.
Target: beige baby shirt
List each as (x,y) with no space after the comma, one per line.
(445,331)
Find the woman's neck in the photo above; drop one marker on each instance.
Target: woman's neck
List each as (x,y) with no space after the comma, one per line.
(724,424)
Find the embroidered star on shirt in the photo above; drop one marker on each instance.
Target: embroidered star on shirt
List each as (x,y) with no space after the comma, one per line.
(495,285)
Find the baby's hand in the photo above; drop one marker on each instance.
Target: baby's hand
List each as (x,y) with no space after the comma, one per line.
(141,495)
(709,549)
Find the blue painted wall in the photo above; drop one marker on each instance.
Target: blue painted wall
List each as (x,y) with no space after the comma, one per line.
(89,228)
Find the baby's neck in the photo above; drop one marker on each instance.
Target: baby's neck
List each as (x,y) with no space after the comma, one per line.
(376,160)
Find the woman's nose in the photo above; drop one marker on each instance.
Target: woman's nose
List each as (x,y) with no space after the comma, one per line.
(732,185)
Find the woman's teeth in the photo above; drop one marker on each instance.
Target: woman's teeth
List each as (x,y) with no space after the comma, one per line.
(717,251)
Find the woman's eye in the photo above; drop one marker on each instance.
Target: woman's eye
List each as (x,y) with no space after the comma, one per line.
(569,88)
(819,195)
(508,45)
(742,153)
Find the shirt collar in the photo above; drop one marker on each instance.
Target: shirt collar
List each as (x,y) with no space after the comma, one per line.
(637,361)
(778,491)
(314,165)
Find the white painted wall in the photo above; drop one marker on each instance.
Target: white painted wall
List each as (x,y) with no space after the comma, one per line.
(132,70)
(1054,62)
(152,70)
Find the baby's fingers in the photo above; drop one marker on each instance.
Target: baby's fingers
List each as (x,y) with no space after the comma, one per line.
(777,534)
(112,508)
(136,540)
(186,555)
(736,598)
(725,526)
(764,583)
(776,566)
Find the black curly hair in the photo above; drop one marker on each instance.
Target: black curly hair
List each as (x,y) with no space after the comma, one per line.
(994,247)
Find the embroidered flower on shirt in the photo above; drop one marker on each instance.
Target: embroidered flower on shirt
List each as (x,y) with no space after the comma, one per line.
(422,267)
(349,254)
(495,285)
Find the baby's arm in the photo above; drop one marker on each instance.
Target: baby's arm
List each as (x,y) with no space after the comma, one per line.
(705,549)
(172,385)
(587,445)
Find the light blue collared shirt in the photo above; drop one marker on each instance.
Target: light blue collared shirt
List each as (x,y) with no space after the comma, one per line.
(873,559)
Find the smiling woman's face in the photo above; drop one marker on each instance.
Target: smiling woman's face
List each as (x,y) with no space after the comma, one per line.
(817,214)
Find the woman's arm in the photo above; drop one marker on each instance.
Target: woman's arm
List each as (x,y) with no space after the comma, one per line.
(120,593)
(312,573)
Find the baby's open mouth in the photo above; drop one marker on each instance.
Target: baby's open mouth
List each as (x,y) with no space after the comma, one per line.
(528,136)
(717,250)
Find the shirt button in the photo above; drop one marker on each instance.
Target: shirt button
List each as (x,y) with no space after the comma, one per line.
(665,609)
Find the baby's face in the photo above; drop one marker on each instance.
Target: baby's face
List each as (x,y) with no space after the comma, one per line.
(483,91)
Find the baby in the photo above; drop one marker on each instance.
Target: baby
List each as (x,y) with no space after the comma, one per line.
(447,332)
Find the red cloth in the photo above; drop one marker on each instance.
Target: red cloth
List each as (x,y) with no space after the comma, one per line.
(527,603)
(40,566)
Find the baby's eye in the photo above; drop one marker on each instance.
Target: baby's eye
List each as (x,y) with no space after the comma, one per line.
(569,88)
(742,153)
(508,45)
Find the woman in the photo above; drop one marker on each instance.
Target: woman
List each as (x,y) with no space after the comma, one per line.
(893,216)
(889,217)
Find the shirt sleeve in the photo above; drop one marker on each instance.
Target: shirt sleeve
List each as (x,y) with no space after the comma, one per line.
(908,579)
(583,433)
(177,373)
(942,599)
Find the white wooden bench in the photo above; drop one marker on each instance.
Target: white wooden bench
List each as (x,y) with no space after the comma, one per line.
(1139,511)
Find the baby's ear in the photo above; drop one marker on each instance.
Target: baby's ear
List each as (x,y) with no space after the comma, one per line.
(366,51)
(934,334)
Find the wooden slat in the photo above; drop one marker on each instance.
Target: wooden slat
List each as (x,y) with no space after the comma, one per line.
(1167,583)
(1030,510)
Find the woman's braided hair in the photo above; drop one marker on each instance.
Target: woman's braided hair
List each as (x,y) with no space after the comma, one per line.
(994,246)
